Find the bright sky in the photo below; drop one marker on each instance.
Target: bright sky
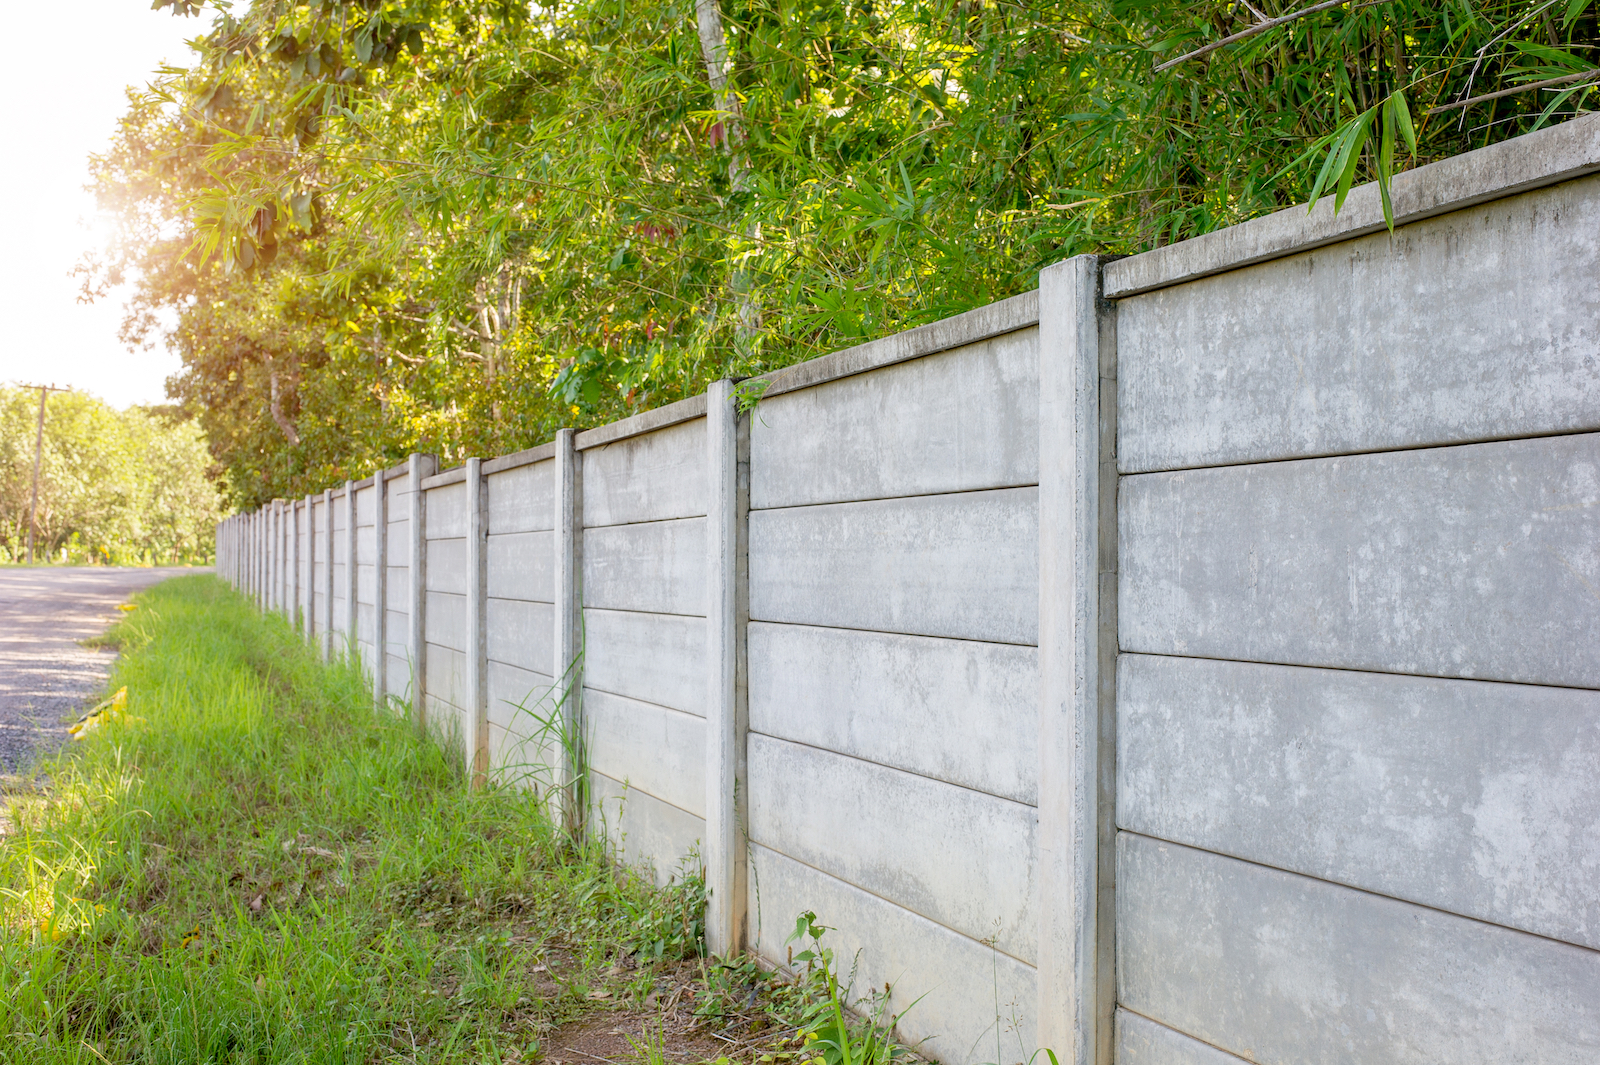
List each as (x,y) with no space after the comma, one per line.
(58,104)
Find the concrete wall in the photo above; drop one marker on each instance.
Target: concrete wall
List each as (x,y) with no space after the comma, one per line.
(1190,662)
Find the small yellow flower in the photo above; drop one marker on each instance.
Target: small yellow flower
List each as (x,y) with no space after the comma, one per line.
(127,608)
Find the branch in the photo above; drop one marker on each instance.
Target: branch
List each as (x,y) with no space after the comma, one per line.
(1589,75)
(1260,27)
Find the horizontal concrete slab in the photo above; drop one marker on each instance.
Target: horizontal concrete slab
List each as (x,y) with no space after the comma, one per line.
(446,570)
(658,566)
(1474,561)
(397,588)
(953,710)
(1446,332)
(1141,1041)
(658,658)
(1477,798)
(445,620)
(955,421)
(521,566)
(522,499)
(366,507)
(646,833)
(963,565)
(652,477)
(958,1001)
(521,701)
(447,675)
(366,584)
(520,633)
(654,750)
(521,761)
(397,678)
(958,857)
(1281,969)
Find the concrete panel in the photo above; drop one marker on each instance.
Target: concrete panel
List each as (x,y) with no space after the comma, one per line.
(366,543)
(521,633)
(447,512)
(647,478)
(648,834)
(1280,968)
(1474,561)
(659,567)
(955,856)
(446,570)
(658,658)
(520,700)
(964,565)
(397,589)
(521,761)
(960,1001)
(366,509)
(396,626)
(399,532)
(397,677)
(447,675)
(953,710)
(1452,330)
(1477,798)
(522,566)
(956,421)
(447,723)
(1141,1041)
(364,624)
(445,620)
(366,584)
(522,499)
(650,748)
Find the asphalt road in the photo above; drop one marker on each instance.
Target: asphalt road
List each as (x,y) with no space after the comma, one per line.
(46,676)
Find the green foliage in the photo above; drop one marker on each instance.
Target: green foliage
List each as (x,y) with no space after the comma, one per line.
(114,486)
(458,226)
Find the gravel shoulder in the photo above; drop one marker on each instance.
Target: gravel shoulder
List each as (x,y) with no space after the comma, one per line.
(46,675)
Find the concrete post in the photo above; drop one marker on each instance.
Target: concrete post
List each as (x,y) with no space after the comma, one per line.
(309,559)
(477,679)
(277,555)
(351,612)
(418,467)
(327,575)
(1077,663)
(571,777)
(725,716)
(380,588)
(296,551)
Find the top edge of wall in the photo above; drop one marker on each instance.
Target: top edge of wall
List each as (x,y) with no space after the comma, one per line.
(685,410)
(542,453)
(395,471)
(454,475)
(1534,160)
(969,327)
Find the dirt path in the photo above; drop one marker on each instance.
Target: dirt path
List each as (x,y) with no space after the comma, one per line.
(45,674)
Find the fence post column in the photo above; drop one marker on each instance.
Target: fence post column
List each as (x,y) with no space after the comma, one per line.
(277,555)
(1077,663)
(477,694)
(327,574)
(351,573)
(568,662)
(380,588)
(726,871)
(418,467)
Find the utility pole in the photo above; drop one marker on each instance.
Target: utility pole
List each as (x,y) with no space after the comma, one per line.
(38,450)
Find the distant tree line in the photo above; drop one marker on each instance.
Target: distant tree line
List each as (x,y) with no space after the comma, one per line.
(389,225)
(128,487)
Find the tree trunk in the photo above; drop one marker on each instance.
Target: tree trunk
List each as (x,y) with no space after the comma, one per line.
(275,405)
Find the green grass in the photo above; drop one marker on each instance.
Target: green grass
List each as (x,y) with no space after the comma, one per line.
(267,870)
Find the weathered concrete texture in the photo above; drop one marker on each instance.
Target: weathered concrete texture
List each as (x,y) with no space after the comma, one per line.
(959,420)
(522,566)
(963,565)
(656,658)
(447,512)
(647,478)
(957,857)
(1474,561)
(1281,969)
(1141,1041)
(1557,153)
(948,709)
(1477,798)
(1447,332)
(447,676)
(445,620)
(397,674)
(521,701)
(659,752)
(656,566)
(646,832)
(958,1000)
(446,569)
(521,634)
(522,499)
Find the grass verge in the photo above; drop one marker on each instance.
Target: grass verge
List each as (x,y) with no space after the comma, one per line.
(253,866)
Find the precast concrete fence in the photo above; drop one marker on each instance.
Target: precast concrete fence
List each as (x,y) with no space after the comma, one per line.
(1194,661)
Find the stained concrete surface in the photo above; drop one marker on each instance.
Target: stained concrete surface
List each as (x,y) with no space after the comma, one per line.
(46,675)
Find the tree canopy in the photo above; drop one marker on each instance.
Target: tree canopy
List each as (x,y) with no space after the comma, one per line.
(390,225)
